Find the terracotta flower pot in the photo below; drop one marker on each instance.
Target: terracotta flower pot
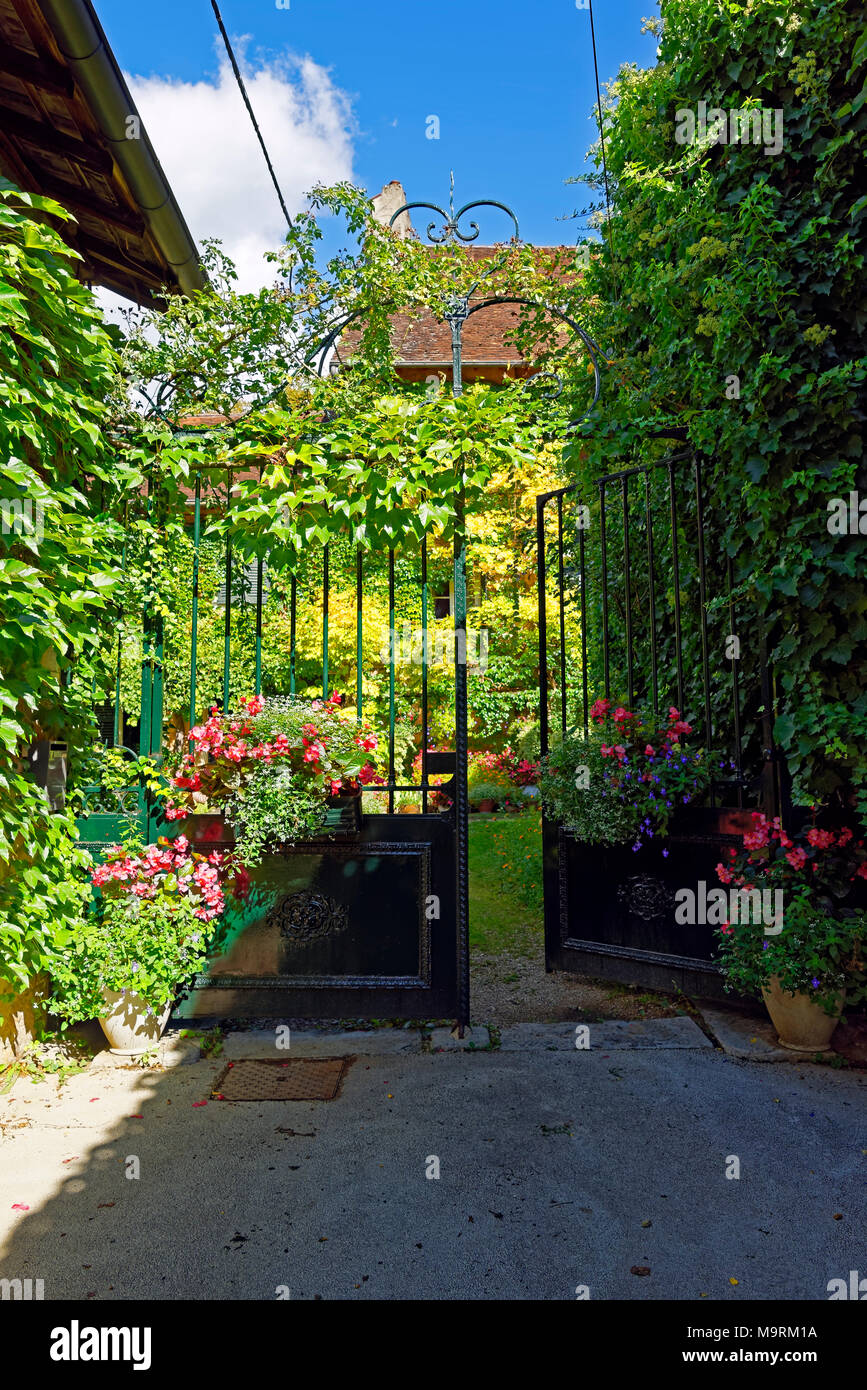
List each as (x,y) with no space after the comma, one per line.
(487,805)
(128,1026)
(802,1025)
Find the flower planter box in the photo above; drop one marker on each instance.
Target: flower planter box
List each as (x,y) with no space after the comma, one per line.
(610,910)
(342,822)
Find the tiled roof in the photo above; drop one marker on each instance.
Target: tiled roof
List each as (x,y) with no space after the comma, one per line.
(421,341)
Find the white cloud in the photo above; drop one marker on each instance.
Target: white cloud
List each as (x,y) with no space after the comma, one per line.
(206,144)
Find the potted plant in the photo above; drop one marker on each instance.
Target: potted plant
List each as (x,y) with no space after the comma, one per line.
(145,934)
(809,963)
(486,796)
(276,772)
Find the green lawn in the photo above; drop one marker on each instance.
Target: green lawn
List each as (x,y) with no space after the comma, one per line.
(505,882)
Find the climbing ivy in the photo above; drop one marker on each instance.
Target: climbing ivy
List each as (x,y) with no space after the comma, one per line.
(60,490)
(729,299)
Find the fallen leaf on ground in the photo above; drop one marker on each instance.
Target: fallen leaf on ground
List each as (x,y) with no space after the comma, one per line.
(640,1269)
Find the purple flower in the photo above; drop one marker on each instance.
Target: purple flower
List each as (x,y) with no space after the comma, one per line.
(814,982)
(665,854)
(765,945)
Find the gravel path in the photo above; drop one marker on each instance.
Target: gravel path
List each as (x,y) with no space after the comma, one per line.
(514,988)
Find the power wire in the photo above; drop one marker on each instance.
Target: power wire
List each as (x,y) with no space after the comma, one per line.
(602,139)
(239,79)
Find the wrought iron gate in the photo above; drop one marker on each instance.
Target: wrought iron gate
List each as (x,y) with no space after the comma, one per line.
(691,642)
(319,944)
(363,921)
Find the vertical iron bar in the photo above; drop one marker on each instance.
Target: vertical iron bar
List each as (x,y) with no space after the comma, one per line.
(157,690)
(391,642)
(675,569)
(702,593)
(561,583)
(654,675)
(461,766)
(325,597)
(583,574)
(624,484)
(293,612)
(260,569)
(144,736)
(115,738)
(359,619)
(462,827)
(194,627)
(604,559)
(425,652)
(736,699)
(227,631)
(770,789)
(543,626)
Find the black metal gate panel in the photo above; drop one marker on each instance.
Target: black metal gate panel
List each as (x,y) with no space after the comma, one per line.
(361,927)
(646,613)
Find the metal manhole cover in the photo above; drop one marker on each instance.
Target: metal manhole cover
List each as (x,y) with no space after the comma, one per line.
(305,1078)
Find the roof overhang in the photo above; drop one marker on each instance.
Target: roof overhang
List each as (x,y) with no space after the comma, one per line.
(69,129)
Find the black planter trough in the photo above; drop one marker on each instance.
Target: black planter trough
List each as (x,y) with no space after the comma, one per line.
(610,910)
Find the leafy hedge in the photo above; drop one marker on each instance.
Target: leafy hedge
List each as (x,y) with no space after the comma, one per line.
(724,262)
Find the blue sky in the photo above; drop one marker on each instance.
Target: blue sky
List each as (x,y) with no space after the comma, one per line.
(346,89)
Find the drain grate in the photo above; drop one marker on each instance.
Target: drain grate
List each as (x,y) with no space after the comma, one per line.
(306,1078)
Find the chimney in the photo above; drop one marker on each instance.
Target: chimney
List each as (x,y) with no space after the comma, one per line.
(386,203)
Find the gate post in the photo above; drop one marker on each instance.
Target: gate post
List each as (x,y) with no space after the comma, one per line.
(462,829)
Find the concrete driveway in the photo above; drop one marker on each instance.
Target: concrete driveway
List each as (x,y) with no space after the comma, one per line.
(559,1169)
